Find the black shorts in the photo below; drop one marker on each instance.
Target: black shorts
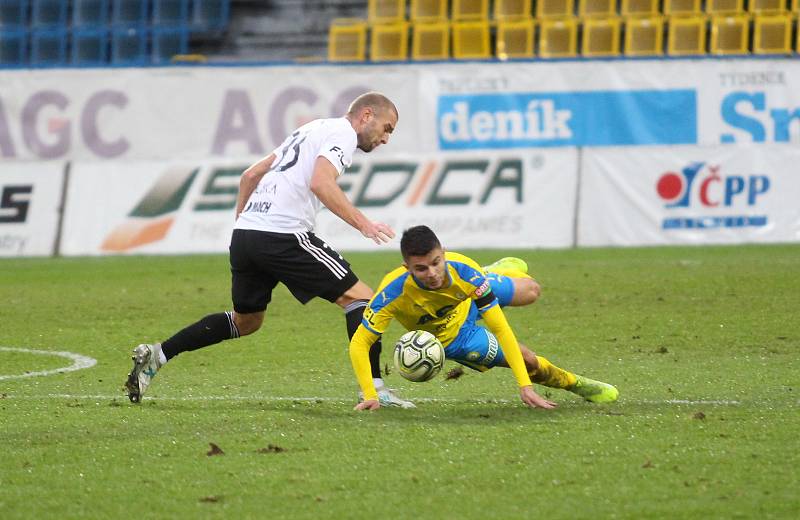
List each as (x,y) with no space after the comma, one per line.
(306,265)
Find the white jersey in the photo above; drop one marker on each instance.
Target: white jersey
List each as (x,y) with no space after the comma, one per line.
(283,201)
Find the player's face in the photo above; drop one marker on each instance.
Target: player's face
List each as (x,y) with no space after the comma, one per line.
(430,270)
(377,129)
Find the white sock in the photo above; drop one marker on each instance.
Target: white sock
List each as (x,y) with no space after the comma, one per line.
(378,382)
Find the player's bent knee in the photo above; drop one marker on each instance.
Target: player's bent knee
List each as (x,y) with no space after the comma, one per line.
(527,291)
(248,323)
(359,291)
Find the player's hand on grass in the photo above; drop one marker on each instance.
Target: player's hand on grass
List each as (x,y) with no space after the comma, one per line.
(372,404)
(534,400)
(378,232)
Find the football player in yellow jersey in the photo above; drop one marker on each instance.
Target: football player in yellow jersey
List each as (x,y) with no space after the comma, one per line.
(445,293)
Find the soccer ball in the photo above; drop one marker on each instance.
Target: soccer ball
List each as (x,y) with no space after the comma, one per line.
(418,356)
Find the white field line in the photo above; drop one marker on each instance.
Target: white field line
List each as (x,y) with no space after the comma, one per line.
(78,362)
(277,398)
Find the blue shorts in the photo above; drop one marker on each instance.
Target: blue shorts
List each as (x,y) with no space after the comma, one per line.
(502,287)
(475,346)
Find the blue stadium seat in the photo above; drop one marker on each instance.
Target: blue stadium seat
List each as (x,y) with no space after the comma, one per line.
(129,13)
(13,14)
(48,47)
(89,46)
(167,42)
(87,13)
(210,14)
(13,47)
(49,14)
(129,46)
(170,12)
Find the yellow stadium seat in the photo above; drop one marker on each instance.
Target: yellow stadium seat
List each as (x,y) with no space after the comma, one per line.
(389,42)
(766,6)
(731,7)
(673,7)
(772,34)
(511,9)
(428,11)
(644,36)
(430,41)
(796,6)
(471,40)
(514,38)
(464,10)
(592,8)
(601,37)
(639,7)
(554,8)
(558,38)
(347,39)
(729,34)
(686,35)
(386,11)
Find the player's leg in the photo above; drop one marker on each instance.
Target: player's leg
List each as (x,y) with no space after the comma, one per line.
(317,270)
(251,291)
(514,291)
(354,301)
(545,373)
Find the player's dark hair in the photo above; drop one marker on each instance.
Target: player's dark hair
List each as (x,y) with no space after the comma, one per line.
(418,241)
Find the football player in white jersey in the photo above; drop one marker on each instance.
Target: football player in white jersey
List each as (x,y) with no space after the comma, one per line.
(273,239)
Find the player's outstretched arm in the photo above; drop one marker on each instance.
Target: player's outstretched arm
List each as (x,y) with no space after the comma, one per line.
(323,185)
(250,179)
(359,356)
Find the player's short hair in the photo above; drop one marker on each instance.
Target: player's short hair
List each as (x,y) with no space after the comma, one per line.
(418,241)
(374,100)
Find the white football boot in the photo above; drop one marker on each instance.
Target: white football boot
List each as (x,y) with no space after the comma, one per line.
(389,397)
(145,366)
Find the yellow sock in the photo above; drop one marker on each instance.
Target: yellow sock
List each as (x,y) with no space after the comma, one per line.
(550,375)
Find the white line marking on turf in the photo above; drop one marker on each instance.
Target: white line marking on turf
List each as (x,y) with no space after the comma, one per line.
(78,362)
(275,398)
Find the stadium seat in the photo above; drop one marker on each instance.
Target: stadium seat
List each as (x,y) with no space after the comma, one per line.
(428,11)
(170,12)
(13,47)
(471,40)
(729,34)
(644,36)
(601,8)
(772,34)
(732,7)
(209,15)
(601,37)
(554,9)
(796,6)
(386,11)
(48,47)
(430,41)
(129,45)
(687,7)
(389,42)
(639,7)
(48,14)
(686,35)
(514,38)
(168,42)
(13,15)
(467,10)
(90,13)
(129,13)
(89,46)
(512,9)
(558,38)
(766,6)
(347,39)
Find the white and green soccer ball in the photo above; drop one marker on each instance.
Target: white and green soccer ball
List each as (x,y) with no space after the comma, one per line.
(418,356)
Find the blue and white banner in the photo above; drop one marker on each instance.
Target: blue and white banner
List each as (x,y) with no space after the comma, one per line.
(586,118)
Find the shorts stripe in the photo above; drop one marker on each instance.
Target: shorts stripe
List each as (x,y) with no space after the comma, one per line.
(321,255)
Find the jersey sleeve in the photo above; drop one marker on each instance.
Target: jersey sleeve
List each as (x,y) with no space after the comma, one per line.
(473,274)
(496,322)
(338,147)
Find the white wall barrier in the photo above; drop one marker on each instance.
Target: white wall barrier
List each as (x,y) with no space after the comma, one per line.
(30,196)
(690,195)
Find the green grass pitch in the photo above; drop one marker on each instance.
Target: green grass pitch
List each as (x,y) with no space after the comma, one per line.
(703,344)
